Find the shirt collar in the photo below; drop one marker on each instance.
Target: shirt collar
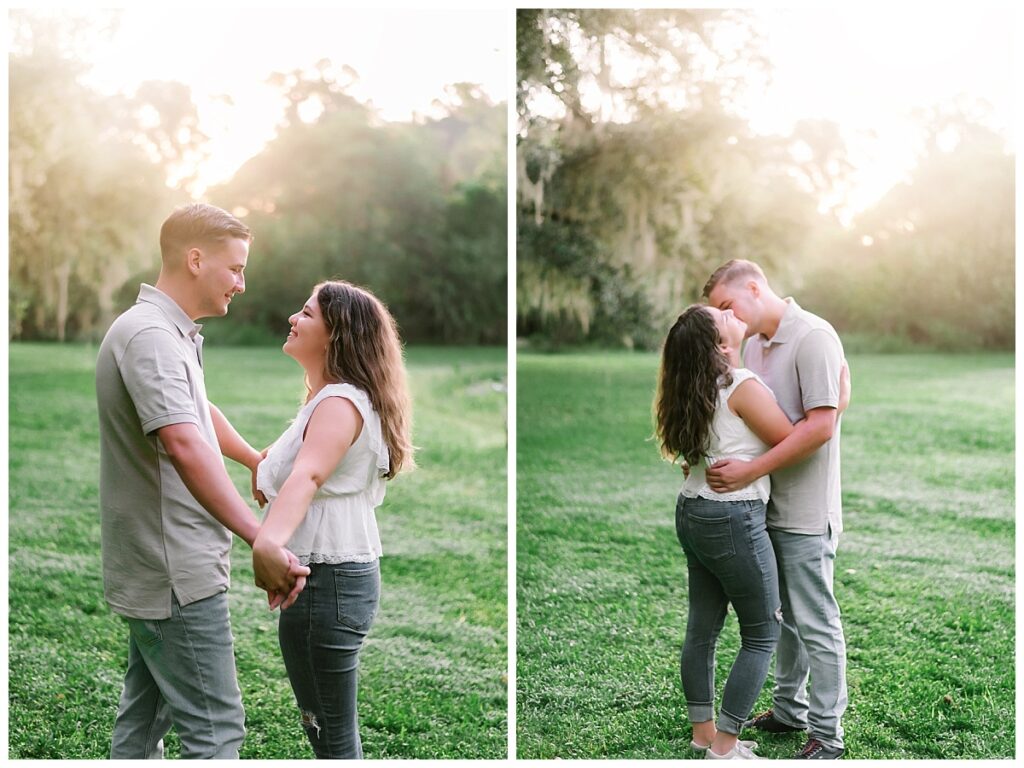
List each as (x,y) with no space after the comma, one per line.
(170,307)
(786,324)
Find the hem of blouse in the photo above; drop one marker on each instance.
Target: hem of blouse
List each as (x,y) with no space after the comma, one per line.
(318,559)
(734,496)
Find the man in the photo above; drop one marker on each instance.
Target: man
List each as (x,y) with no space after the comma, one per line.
(168,507)
(800,357)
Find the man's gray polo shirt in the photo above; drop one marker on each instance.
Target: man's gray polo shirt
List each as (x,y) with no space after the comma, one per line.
(801,364)
(156,537)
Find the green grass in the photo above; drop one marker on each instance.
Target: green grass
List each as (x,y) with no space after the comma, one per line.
(924,573)
(433,675)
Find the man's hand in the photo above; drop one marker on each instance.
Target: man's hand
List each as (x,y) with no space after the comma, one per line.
(278,572)
(685,466)
(729,475)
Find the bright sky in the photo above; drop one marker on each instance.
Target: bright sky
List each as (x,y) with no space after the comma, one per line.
(404,59)
(868,68)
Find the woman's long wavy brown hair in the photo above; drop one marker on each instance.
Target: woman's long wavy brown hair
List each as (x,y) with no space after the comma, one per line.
(693,370)
(365,351)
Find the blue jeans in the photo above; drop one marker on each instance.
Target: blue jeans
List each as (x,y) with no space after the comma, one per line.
(812,643)
(730,559)
(181,671)
(320,639)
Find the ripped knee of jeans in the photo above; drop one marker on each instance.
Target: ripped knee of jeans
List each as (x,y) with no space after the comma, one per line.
(309,721)
(778,614)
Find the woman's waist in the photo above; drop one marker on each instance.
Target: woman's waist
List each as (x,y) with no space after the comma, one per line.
(738,454)
(697,485)
(342,500)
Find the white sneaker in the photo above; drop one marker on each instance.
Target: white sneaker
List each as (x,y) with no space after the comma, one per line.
(704,747)
(739,752)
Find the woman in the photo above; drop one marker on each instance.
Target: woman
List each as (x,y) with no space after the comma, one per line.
(323,479)
(707,408)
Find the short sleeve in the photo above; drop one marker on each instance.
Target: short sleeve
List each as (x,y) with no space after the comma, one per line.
(371,422)
(155,373)
(818,363)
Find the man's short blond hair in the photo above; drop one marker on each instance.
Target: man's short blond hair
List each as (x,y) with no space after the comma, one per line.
(199,224)
(731,271)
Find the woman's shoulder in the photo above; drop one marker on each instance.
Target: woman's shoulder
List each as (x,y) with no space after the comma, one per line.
(741,375)
(340,389)
(356,396)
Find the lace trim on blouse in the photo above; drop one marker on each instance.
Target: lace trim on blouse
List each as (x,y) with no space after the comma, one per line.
(317,558)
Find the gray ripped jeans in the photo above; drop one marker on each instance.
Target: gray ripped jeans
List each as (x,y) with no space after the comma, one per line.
(320,637)
(730,559)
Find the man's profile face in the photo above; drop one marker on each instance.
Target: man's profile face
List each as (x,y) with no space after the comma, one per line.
(221,275)
(743,297)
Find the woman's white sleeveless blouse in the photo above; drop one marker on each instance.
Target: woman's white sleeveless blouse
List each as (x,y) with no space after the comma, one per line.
(731,438)
(340,525)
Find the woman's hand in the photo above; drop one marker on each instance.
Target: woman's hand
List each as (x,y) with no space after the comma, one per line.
(279,572)
(257,494)
(844,387)
(285,601)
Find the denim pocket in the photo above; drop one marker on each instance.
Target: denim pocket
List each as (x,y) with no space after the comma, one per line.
(358,593)
(145,632)
(712,537)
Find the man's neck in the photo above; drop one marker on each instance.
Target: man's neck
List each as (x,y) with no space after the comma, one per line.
(775,308)
(179,294)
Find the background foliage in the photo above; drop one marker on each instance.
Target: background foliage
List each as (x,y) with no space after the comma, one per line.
(636,180)
(414,211)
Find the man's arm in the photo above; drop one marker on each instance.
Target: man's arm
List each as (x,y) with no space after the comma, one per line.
(807,436)
(202,471)
(232,444)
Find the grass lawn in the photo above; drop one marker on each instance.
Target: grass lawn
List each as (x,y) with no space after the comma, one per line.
(433,677)
(924,572)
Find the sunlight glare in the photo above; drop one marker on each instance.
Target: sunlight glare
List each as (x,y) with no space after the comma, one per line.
(226,63)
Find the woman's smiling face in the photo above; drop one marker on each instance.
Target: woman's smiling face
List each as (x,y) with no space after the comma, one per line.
(308,339)
(731,330)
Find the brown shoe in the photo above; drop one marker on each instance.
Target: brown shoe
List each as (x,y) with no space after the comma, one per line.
(766,722)
(815,750)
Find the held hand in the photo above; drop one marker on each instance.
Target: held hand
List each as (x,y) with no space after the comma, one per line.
(272,567)
(300,572)
(844,387)
(685,466)
(285,600)
(257,494)
(728,475)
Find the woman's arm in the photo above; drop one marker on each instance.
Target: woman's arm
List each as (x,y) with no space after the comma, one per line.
(753,403)
(333,427)
(844,388)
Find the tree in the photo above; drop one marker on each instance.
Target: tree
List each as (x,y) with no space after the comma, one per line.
(414,211)
(676,59)
(85,202)
(645,181)
(933,262)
